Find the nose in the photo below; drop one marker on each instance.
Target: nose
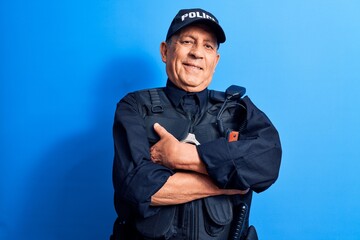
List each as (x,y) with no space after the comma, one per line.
(196,51)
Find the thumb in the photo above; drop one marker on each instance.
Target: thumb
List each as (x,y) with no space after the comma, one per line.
(160,130)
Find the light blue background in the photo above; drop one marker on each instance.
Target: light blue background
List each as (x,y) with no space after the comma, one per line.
(65,64)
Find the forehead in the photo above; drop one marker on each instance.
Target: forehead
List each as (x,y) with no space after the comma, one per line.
(197,30)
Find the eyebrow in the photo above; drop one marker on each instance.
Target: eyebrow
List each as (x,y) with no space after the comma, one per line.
(191,36)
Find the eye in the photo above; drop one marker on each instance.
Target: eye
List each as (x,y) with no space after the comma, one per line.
(186,42)
(209,46)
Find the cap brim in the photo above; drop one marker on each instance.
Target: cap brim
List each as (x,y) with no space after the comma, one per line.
(219,32)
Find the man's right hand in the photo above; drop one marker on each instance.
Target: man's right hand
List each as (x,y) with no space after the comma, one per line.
(170,152)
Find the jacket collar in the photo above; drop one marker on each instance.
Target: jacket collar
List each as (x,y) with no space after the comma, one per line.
(175,94)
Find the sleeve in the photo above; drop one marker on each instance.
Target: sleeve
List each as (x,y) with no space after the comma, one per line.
(251,162)
(135,177)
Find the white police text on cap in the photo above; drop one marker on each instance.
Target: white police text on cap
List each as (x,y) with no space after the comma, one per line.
(196,15)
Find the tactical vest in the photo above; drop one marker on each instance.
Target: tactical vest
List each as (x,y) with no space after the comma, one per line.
(213,218)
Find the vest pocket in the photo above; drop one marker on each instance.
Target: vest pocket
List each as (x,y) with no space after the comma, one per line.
(217,215)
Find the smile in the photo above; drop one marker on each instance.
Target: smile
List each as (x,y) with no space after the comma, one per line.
(192,66)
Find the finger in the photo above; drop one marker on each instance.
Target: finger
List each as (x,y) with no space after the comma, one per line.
(152,151)
(160,130)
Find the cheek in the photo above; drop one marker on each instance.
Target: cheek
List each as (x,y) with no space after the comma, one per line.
(173,68)
(177,66)
(212,67)
(214,61)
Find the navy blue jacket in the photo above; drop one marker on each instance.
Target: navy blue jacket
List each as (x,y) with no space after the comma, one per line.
(251,162)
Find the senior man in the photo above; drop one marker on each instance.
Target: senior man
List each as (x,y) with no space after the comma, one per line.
(188,158)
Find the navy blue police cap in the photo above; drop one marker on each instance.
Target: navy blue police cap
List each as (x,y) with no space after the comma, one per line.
(186,17)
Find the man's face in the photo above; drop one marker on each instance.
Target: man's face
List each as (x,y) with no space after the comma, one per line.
(191,58)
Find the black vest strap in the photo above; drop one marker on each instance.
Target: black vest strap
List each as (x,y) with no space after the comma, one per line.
(156,106)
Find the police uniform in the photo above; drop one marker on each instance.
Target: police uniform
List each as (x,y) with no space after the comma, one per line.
(251,161)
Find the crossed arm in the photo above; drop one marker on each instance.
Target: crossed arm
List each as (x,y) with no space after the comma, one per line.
(189,184)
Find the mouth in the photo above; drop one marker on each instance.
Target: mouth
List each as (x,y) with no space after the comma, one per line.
(193,66)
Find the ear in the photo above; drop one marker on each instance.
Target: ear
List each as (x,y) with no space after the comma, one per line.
(163,51)
(217,58)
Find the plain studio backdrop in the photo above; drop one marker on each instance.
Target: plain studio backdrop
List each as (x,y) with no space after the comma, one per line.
(65,64)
